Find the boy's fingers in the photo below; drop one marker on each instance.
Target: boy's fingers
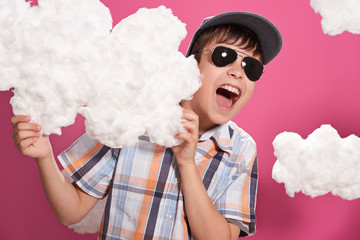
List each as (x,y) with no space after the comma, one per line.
(183,135)
(26,143)
(23,127)
(28,127)
(22,135)
(190,115)
(190,126)
(19,118)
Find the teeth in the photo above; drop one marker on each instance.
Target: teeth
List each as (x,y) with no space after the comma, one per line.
(231,89)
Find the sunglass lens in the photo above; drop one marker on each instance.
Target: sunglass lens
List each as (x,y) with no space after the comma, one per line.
(223,56)
(252,68)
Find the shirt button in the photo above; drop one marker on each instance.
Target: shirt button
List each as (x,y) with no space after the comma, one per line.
(177,180)
(168,215)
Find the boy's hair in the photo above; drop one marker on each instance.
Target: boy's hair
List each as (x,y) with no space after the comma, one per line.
(230,34)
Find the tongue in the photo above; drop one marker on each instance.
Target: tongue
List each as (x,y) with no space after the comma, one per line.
(223,101)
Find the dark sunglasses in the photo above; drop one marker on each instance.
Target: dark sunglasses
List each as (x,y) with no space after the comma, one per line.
(223,56)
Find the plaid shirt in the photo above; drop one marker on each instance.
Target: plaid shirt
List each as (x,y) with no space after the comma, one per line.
(143,183)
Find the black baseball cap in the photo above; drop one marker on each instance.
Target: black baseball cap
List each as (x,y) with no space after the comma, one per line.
(269,36)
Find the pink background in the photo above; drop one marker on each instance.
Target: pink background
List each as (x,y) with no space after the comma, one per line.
(314,80)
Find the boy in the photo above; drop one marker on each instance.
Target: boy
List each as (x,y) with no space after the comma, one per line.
(204,188)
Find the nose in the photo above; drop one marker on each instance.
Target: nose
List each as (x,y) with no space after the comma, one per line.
(235,70)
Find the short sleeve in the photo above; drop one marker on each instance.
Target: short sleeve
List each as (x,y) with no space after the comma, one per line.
(237,203)
(90,164)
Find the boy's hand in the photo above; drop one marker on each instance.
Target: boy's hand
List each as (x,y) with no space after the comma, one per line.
(28,139)
(185,152)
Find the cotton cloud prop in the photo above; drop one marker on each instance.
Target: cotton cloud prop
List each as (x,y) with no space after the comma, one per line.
(323,162)
(60,59)
(338,15)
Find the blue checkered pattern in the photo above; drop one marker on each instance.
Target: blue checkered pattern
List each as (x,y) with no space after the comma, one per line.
(143,183)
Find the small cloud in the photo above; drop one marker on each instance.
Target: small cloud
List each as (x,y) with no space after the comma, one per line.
(322,163)
(338,15)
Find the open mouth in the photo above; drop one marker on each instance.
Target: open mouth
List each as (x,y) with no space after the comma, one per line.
(226,96)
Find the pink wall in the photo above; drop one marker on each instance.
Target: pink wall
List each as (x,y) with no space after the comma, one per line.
(314,80)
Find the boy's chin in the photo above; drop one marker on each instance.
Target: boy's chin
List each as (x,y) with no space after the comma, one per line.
(221,119)
(212,122)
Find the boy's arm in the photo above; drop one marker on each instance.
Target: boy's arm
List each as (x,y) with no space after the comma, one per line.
(69,203)
(205,221)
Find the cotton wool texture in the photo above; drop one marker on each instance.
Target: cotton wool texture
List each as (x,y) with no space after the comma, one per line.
(338,15)
(61,58)
(322,163)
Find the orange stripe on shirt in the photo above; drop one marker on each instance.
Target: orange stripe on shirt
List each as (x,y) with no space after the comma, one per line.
(245,193)
(101,228)
(150,186)
(204,162)
(82,160)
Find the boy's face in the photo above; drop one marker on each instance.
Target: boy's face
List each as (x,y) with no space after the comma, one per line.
(224,91)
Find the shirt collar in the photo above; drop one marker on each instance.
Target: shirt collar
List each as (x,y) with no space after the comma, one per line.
(222,134)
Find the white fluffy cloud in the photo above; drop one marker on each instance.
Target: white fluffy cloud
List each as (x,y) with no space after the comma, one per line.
(63,57)
(338,15)
(322,163)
